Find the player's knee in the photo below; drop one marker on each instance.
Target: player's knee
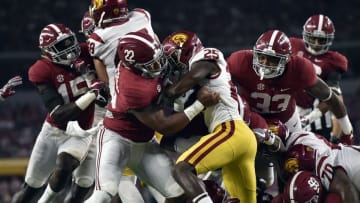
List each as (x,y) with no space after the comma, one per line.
(66,162)
(84,181)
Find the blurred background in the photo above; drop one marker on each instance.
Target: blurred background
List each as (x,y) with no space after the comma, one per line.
(226,24)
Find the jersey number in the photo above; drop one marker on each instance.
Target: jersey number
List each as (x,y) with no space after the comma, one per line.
(271,104)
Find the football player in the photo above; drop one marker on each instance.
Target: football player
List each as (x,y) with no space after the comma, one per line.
(7,90)
(113,20)
(317,37)
(67,96)
(230,145)
(333,164)
(305,186)
(126,139)
(269,76)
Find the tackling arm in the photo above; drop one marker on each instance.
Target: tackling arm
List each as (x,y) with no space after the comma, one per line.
(60,112)
(101,70)
(156,118)
(199,71)
(342,185)
(324,93)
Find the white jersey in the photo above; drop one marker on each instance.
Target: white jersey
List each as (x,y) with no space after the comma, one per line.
(229,107)
(104,41)
(329,156)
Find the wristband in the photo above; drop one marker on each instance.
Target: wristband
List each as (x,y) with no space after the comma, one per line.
(84,101)
(194,109)
(345,125)
(329,97)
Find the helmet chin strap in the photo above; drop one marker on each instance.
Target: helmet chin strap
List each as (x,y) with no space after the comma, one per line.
(261,72)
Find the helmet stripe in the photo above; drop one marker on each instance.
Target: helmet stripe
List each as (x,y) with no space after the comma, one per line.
(147,42)
(56,28)
(272,39)
(321,23)
(291,189)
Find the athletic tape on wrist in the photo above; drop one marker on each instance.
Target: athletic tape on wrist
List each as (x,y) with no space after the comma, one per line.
(84,101)
(345,125)
(194,109)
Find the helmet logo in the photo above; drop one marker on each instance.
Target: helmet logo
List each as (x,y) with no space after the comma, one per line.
(60,78)
(179,39)
(292,165)
(129,56)
(97,4)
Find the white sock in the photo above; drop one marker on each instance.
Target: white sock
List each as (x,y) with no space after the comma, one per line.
(202,198)
(48,195)
(99,196)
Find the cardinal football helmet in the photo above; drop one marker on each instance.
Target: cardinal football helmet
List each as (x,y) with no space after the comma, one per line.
(142,53)
(299,157)
(105,12)
(87,25)
(318,34)
(180,46)
(58,43)
(303,187)
(271,53)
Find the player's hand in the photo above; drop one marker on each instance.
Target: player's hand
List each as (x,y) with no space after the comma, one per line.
(97,86)
(280,130)
(264,136)
(81,66)
(7,90)
(208,98)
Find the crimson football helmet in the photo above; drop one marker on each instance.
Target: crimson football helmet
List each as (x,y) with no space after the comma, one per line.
(303,187)
(142,53)
(271,53)
(58,43)
(318,34)
(105,12)
(87,25)
(299,157)
(180,46)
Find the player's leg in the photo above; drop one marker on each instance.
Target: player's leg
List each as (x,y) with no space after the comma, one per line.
(71,151)
(153,166)
(211,152)
(41,163)
(111,159)
(128,192)
(239,176)
(84,176)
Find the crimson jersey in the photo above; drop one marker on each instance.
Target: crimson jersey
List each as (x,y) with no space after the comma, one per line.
(131,92)
(68,83)
(272,98)
(326,64)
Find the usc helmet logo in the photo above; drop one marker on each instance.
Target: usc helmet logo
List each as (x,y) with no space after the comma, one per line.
(96,4)
(292,165)
(179,39)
